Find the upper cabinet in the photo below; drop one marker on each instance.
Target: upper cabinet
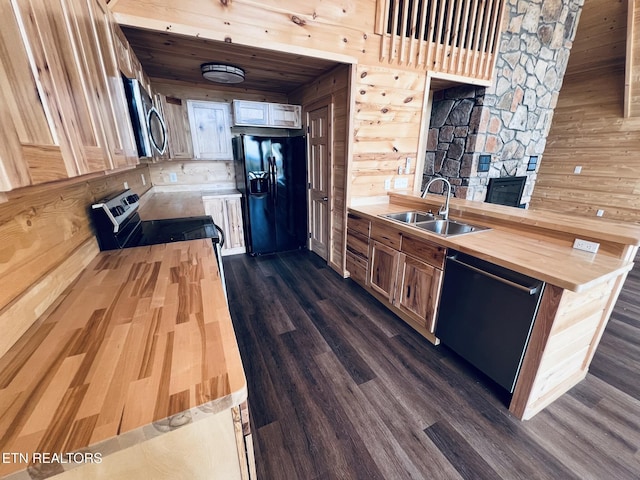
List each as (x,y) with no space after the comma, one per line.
(210,130)
(63,99)
(263,114)
(176,117)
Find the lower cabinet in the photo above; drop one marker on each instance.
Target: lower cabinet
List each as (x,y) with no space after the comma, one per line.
(226,211)
(418,290)
(407,272)
(214,448)
(384,270)
(357,255)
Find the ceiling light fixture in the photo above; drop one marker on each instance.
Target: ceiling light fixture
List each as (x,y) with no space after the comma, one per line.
(220,73)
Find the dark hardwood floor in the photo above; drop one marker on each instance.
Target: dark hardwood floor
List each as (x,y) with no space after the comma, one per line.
(339,388)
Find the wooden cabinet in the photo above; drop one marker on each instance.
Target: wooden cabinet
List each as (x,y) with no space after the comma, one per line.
(246,113)
(418,290)
(62,96)
(226,211)
(357,255)
(94,28)
(384,270)
(287,116)
(210,130)
(407,272)
(176,118)
(264,114)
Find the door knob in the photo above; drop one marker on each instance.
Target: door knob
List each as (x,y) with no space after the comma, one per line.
(325,199)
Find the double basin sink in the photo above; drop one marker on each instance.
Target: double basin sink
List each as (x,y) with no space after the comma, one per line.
(429,222)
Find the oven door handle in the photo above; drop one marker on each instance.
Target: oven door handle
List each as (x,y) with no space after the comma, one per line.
(221,233)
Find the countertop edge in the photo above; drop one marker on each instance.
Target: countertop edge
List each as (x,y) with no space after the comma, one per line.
(461,243)
(628,234)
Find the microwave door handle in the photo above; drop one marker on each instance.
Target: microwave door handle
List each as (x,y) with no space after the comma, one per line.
(154,112)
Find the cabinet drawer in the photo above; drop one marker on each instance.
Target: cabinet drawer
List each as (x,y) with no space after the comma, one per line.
(358,224)
(357,244)
(357,267)
(426,251)
(387,235)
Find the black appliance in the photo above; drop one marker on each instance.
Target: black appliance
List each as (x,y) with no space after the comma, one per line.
(118,225)
(506,191)
(486,315)
(271,174)
(148,125)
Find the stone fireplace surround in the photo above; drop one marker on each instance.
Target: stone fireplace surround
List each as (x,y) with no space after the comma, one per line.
(509,120)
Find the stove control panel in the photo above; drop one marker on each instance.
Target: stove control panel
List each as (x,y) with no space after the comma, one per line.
(117,208)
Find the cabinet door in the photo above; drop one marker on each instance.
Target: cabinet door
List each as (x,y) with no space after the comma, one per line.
(92,22)
(30,142)
(227,214)
(418,289)
(122,51)
(235,234)
(250,113)
(177,119)
(384,268)
(287,116)
(210,130)
(61,71)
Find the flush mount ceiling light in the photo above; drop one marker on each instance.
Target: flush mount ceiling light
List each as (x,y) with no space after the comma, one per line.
(220,73)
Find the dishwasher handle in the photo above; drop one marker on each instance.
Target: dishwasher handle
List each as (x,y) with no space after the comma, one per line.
(531,290)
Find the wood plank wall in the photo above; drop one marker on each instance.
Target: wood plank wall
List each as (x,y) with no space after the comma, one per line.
(335,86)
(389,109)
(389,99)
(589,128)
(40,228)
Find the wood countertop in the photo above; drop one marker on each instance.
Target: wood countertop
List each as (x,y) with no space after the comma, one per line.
(177,204)
(549,261)
(139,345)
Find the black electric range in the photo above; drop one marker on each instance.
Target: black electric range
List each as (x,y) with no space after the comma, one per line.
(118,225)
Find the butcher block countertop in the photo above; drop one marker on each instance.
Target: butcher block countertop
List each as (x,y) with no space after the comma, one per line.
(139,345)
(551,261)
(161,205)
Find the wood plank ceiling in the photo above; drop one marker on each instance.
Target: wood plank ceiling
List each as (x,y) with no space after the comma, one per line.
(176,57)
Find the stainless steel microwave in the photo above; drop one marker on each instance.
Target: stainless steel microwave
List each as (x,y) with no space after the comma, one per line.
(148,125)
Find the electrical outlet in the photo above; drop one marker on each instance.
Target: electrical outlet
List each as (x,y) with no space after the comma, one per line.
(599,213)
(387,184)
(585,245)
(577,170)
(173,178)
(126,185)
(400,183)
(144,180)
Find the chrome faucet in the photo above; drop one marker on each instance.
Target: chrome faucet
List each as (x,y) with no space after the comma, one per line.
(444,209)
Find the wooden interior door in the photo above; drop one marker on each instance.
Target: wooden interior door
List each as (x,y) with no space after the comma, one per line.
(318,138)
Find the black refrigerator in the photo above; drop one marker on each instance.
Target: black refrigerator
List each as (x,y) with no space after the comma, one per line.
(271,174)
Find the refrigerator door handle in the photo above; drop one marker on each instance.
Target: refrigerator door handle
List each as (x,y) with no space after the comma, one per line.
(274,181)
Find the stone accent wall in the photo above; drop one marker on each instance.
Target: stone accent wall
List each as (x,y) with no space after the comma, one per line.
(511,119)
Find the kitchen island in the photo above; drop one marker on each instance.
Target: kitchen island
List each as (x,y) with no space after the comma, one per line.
(402,266)
(134,372)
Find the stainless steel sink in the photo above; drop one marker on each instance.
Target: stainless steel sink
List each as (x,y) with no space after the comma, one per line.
(412,216)
(428,221)
(448,228)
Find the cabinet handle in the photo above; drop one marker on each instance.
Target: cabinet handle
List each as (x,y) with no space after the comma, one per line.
(530,290)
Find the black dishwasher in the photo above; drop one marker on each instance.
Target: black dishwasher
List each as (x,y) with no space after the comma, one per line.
(486,315)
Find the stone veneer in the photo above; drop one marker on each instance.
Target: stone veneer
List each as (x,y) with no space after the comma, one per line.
(509,120)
